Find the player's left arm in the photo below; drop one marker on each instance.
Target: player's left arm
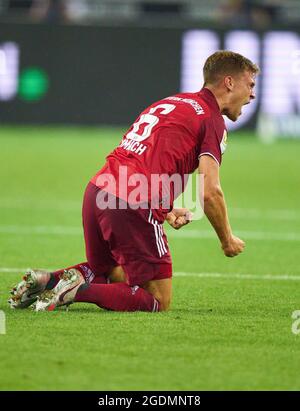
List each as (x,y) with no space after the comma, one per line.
(179,217)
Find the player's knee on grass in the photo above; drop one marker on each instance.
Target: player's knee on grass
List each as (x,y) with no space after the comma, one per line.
(162,291)
(164,304)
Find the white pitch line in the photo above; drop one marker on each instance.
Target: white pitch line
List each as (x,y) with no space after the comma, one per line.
(12,270)
(42,205)
(182,234)
(238,213)
(230,276)
(225,276)
(250,235)
(268,214)
(43,230)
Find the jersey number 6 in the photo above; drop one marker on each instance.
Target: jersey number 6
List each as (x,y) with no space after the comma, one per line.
(150,120)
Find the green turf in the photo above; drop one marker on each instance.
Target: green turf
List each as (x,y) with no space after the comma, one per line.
(221,333)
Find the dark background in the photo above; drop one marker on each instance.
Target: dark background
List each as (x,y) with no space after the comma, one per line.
(97,74)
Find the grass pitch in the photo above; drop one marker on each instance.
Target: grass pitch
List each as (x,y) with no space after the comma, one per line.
(230,323)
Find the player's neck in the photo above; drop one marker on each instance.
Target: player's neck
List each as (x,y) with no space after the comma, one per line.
(221,98)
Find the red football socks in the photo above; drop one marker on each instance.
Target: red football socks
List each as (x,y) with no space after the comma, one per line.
(118,297)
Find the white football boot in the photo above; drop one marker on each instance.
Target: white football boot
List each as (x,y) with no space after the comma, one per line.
(63,293)
(26,292)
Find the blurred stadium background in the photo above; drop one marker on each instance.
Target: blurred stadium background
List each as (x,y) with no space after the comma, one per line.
(101,62)
(73,76)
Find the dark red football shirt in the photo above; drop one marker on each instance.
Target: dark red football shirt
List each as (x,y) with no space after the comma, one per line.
(166,139)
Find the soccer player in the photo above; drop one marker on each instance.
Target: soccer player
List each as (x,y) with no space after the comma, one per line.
(128,264)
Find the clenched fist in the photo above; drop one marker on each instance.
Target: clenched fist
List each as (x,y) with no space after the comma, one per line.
(179,217)
(233,247)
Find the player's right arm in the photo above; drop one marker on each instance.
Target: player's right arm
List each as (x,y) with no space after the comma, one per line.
(215,207)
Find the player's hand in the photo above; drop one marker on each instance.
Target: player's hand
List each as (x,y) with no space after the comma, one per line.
(179,217)
(233,247)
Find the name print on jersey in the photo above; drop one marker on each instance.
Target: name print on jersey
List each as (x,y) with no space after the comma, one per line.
(133,146)
(196,106)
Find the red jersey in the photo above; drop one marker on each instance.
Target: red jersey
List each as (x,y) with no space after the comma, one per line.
(166,139)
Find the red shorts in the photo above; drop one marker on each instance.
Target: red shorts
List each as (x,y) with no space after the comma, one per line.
(130,238)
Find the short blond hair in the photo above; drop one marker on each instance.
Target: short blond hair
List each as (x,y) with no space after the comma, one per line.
(223,63)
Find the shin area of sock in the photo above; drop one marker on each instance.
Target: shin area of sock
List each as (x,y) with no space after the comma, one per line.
(118,297)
